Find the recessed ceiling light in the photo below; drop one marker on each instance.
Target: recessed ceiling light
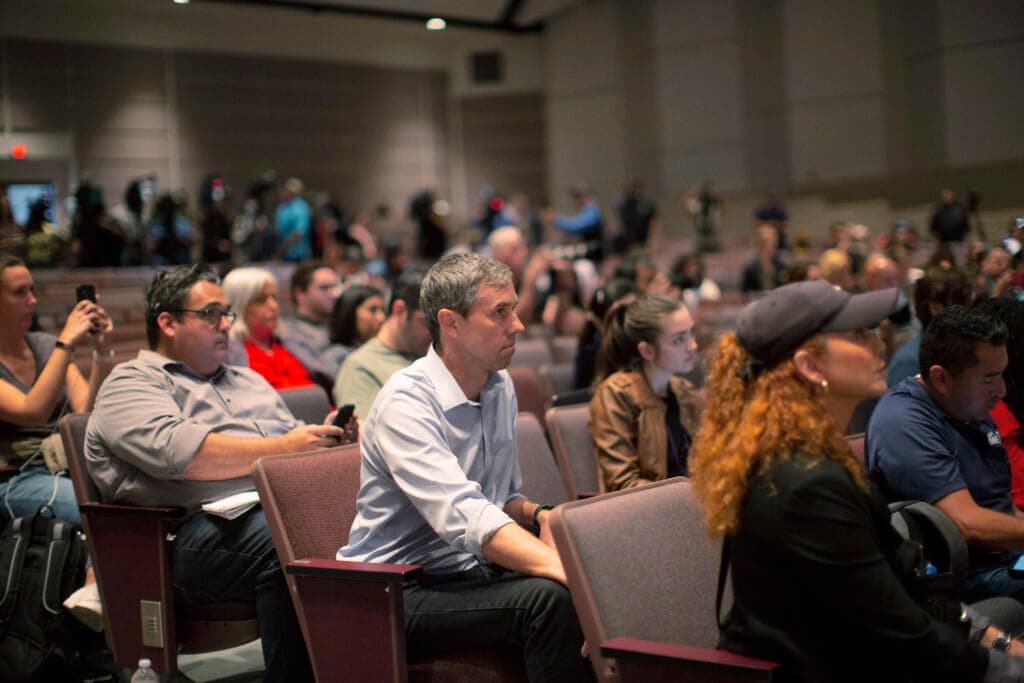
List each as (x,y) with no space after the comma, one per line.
(181,2)
(436,24)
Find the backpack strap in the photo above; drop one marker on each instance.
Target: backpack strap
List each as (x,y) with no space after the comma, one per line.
(58,544)
(16,541)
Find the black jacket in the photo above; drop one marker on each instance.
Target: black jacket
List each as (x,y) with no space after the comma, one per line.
(816,569)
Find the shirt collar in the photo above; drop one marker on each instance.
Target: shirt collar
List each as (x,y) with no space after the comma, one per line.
(161,361)
(448,390)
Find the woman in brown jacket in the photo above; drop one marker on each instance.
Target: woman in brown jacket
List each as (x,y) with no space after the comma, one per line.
(642,414)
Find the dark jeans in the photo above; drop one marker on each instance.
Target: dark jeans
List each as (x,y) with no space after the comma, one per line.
(992,582)
(216,559)
(486,607)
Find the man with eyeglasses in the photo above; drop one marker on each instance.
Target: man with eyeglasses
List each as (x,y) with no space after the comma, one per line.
(176,426)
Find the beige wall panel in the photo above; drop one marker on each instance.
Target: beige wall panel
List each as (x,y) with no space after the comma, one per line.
(843,138)
(984,116)
(699,95)
(689,22)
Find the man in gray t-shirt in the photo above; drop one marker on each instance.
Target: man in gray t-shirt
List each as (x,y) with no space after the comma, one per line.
(178,427)
(402,338)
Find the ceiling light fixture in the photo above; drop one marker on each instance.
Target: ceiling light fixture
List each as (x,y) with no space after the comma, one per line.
(436,24)
(181,2)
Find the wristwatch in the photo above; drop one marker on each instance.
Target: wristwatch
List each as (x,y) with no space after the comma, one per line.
(536,517)
(1001,643)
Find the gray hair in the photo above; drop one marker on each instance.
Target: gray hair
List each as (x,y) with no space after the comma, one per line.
(504,236)
(454,282)
(168,291)
(242,286)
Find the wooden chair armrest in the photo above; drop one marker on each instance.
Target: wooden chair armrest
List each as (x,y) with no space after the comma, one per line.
(646,660)
(173,513)
(378,572)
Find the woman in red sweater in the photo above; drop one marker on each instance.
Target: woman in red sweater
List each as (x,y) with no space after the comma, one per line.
(252,293)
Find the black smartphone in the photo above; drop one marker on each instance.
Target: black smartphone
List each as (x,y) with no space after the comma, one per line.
(344,415)
(1017,568)
(83,292)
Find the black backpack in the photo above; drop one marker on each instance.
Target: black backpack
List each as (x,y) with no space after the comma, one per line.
(42,561)
(939,559)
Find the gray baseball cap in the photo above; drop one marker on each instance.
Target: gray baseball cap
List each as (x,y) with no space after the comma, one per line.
(779,322)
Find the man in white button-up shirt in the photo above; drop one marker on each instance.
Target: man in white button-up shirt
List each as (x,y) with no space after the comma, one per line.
(440,486)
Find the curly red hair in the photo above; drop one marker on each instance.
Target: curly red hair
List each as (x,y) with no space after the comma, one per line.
(747,426)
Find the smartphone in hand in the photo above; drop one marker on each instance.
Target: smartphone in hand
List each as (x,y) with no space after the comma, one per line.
(83,292)
(343,415)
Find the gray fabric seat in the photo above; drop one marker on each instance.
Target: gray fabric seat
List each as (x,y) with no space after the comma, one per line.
(569,428)
(541,481)
(640,565)
(309,404)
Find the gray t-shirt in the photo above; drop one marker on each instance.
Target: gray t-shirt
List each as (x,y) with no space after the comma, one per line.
(28,438)
(152,415)
(364,372)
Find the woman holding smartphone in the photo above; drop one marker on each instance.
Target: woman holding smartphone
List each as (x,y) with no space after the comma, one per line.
(821,581)
(39,383)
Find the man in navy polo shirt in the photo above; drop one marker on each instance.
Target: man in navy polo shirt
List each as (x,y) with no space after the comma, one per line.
(931,439)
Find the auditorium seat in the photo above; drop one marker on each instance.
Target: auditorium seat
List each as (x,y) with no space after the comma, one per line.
(351,613)
(643,577)
(569,429)
(541,481)
(856,442)
(530,395)
(131,548)
(310,404)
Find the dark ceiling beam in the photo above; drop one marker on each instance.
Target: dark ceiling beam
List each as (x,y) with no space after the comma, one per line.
(394,15)
(512,8)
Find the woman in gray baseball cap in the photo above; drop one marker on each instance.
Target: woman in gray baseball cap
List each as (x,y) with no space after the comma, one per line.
(816,566)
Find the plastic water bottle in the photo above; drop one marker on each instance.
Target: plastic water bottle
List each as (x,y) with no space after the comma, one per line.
(145,673)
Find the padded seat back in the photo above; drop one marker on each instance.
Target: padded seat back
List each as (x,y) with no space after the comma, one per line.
(309,404)
(530,396)
(312,496)
(532,353)
(541,481)
(569,428)
(72,428)
(640,565)
(856,443)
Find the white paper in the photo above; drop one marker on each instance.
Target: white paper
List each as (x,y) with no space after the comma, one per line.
(233,506)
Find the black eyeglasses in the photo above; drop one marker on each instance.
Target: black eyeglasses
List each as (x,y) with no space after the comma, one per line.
(212,315)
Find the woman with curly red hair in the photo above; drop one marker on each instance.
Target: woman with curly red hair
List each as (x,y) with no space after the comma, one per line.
(821,580)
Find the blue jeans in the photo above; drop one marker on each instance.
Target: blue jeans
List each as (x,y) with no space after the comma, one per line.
(486,607)
(216,559)
(35,486)
(992,582)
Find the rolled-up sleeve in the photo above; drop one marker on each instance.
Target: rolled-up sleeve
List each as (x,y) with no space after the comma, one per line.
(413,445)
